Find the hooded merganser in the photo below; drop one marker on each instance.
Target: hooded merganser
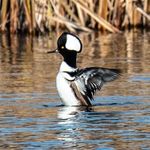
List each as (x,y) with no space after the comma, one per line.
(76,86)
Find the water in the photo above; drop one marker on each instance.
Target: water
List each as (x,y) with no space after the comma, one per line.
(32,115)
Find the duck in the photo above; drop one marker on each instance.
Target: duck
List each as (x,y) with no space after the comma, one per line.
(77,86)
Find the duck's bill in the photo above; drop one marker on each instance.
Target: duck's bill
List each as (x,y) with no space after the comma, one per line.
(53,51)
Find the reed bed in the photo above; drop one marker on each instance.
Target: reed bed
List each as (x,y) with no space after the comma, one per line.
(40,16)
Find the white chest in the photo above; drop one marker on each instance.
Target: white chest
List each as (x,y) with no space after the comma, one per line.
(65,91)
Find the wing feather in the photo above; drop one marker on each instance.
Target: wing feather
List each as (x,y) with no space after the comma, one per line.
(87,81)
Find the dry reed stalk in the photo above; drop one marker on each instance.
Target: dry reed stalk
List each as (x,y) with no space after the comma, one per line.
(81,15)
(136,16)
(91,7)
(146,11)
(28,14)
(85,15)
(43,15)
(129,11)
(39,14)
(69,11)
(61,19)
(33,22)
(110,9)
(117,13)
(102,10)
(70,25)
(143,13)
(49,15)
(100,20)
(4,15)
(13,15)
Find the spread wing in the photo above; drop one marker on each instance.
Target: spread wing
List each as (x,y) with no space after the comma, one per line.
(88,80)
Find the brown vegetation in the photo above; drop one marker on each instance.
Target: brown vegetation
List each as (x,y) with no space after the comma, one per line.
(46,15)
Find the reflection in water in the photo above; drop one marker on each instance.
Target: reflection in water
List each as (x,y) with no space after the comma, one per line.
(68,112)
(71,112)
(69,122)
(31,115)
(105,127)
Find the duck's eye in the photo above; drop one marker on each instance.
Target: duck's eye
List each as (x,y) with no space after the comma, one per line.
(62,47)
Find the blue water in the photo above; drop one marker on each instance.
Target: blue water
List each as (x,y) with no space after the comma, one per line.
(33,117)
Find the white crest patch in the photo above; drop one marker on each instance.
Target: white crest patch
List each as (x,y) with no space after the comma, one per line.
(73,43)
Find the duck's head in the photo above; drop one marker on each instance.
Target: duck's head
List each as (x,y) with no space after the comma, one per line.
(68,43)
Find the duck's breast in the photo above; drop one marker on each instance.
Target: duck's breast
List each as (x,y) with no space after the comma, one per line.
(65,91)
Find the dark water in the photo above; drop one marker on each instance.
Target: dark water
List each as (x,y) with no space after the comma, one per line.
(32,116)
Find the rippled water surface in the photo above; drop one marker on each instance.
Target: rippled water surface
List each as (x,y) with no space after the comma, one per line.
(32,115)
